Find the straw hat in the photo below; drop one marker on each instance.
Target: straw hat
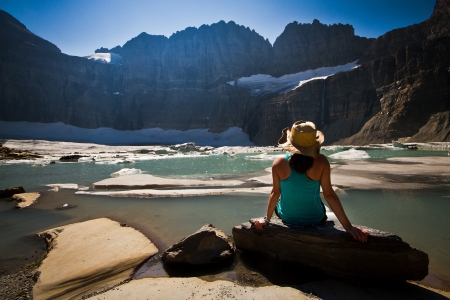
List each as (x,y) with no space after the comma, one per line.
(303,138)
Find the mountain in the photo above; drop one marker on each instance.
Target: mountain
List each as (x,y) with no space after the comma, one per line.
(310,46)
(190,80)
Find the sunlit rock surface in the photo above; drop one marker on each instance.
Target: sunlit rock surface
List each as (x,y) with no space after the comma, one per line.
(149,181)
(89,256)
(25,199)
(195,288)
(335,252)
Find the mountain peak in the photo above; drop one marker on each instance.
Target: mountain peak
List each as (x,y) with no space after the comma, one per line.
(442,6)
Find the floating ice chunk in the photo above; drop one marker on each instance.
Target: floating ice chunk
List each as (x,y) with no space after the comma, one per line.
(125,172)
(85,159)
(263,156)
(69,186)
(19,161)
(351,154)
(115,162)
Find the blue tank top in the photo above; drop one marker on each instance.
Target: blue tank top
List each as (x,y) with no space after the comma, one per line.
(300,201)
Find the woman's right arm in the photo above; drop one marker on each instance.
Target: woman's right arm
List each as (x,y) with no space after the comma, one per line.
(335,204)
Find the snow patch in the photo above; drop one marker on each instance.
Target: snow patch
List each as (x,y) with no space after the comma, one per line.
(106,58)
(233,136)
(263,84)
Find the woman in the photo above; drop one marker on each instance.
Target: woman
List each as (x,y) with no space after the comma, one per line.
(297,178)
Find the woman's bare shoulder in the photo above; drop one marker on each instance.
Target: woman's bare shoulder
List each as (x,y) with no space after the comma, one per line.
(321,160)
(279,161)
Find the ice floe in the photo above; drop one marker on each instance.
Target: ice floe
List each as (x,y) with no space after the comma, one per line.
(68,186)
(351,154)
(126,171)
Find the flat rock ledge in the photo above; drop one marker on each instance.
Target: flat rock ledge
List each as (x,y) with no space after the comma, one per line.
(331,249)
(195,288)
(206,246)
(89,256)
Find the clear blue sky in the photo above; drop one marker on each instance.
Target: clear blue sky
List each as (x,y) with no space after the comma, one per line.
(78,27)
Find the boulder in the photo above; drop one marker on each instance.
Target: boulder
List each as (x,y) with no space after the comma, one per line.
(72,158)
(89,256)
(208,245)
(11,191)
(332,250)
(25,199)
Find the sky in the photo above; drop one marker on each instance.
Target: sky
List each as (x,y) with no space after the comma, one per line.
(79,27)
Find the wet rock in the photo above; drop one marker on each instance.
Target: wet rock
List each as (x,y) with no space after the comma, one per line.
(329,248)
(8,153)
(72,158)
(11,191)
(25,199)
(208,245)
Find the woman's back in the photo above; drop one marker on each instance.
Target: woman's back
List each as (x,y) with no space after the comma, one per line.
(300,201)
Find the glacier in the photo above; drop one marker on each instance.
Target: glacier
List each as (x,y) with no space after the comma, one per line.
(262,84)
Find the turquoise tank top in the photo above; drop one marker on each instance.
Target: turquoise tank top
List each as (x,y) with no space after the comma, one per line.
(300,201)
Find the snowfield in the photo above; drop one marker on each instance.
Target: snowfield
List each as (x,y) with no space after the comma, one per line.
(263,84)
(233,136)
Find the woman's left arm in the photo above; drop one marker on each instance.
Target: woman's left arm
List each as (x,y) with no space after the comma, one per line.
(335,204)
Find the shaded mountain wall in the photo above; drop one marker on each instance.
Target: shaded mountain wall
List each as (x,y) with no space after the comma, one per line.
(420,88)
(180,82)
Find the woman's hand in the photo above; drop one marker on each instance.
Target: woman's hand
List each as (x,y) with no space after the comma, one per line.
(358,234)
(259,224)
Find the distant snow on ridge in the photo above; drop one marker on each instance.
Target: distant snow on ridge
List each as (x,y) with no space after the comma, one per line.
(233,136)
(263,84)
(106,58)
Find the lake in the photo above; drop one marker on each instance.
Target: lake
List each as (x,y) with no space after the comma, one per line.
(420,217)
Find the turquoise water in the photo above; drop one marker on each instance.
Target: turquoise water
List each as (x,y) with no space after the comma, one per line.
(419,217)
(84,174)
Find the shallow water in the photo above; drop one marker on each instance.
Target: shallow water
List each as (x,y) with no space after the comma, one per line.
(419,217)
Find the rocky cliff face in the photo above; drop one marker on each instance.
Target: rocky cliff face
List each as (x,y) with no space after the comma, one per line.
(180,82)
(310,46)
(418,91)
(438,25)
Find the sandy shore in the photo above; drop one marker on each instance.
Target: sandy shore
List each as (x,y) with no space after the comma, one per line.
(392,173)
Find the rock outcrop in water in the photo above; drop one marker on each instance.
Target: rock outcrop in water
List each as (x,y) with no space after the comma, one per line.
(181,82)
(207,246)
(329,248)
(89,256)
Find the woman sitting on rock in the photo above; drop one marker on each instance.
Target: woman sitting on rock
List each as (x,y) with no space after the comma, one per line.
(297,178)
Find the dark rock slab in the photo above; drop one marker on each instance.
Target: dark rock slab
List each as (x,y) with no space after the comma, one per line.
(72,158)
(208,245)
(332,250)
(11,191)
